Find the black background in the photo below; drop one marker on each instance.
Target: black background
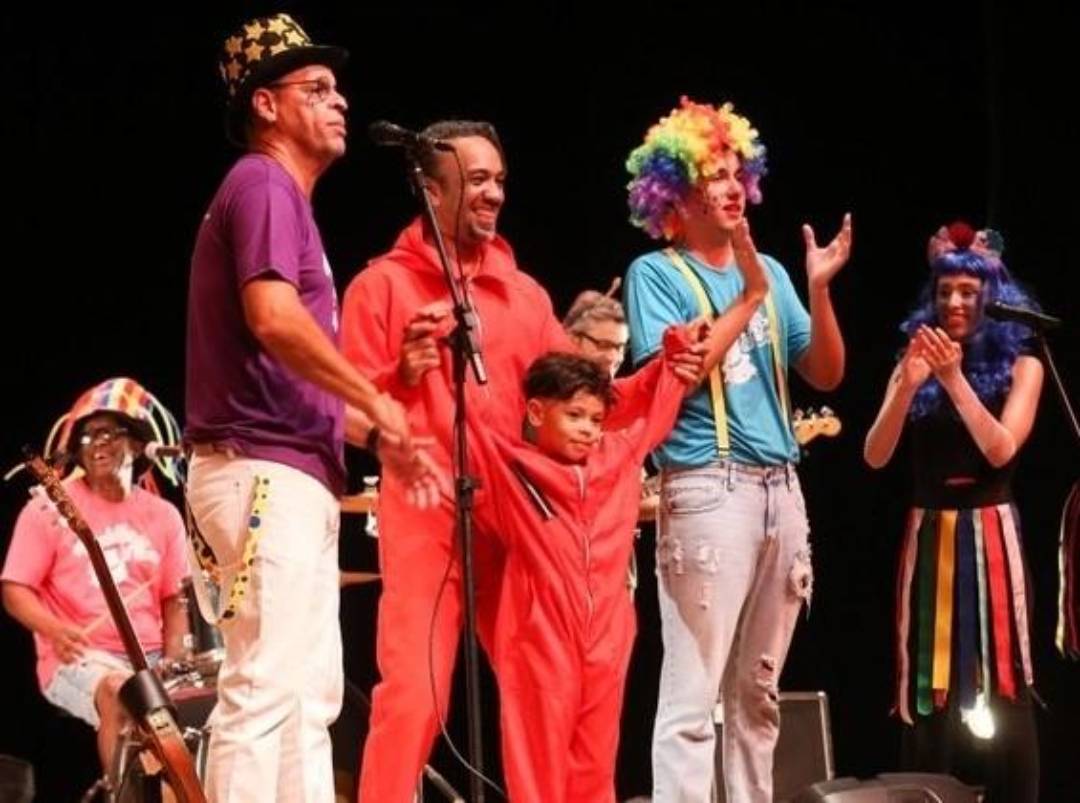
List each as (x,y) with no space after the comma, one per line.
(908,116)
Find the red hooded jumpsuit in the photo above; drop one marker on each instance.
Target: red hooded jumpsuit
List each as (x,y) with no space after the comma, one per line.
(517,325)
(566,622)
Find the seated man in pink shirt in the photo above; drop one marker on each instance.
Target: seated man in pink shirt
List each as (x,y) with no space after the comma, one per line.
(49,585)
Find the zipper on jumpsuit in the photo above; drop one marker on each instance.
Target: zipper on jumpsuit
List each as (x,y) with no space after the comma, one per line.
(590,604)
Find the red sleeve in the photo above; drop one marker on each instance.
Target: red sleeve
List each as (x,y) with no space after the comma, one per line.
(662,412)
(650,400)
(632,395)
(552,336)
(366,339)
(483,448)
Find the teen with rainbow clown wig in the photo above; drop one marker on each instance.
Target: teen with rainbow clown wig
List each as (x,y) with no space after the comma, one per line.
(733,557)
(966,389)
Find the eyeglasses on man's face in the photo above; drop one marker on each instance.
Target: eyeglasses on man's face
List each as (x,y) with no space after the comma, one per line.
(102,435)
(603,344)
(316,90)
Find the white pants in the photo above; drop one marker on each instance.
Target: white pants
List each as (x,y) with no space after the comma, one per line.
(280,685)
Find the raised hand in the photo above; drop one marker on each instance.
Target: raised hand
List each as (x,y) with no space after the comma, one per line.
(914,369)
(941,353)
(749,263)
(823,263)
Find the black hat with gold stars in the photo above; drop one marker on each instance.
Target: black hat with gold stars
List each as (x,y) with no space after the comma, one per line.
(260,52)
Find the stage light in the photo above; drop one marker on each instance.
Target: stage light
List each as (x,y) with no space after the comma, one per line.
(979,719)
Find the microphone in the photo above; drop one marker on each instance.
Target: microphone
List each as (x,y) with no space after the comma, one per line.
(1036,321)
(389,134)
(156,451)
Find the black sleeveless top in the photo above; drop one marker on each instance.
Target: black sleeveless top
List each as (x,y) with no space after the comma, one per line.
(950,471)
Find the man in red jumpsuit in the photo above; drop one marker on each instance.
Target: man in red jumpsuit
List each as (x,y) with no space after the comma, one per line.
(385,338)
(564,503)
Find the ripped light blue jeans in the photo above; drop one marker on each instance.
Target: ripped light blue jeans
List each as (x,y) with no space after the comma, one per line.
(733,571)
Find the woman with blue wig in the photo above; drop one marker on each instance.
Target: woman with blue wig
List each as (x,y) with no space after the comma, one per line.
(966,388)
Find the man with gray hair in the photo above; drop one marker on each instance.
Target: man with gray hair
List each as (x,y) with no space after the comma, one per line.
(596,322)
(270,403)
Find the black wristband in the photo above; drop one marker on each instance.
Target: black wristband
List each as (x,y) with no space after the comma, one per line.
(371,443)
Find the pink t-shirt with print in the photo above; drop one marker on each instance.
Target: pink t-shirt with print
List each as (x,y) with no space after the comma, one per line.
(143,541)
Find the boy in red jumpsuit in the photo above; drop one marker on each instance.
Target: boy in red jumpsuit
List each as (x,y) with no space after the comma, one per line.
(565,504)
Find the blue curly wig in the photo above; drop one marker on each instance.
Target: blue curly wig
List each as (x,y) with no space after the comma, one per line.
(991,350)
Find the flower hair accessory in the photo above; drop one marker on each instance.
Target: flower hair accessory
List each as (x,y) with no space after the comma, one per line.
(961,236)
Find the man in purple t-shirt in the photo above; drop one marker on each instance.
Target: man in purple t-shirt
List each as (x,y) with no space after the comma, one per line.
(270,403)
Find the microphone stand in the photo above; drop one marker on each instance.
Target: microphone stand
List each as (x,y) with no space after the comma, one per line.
(1068,532)
(1063,395)
(1038,323)
(465,349)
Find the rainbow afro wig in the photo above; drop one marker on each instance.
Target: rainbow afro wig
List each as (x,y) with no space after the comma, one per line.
(688,146)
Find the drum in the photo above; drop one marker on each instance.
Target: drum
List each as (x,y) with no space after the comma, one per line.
(205,642)
(194,695)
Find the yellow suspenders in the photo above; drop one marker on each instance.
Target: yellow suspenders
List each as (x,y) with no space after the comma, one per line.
(716,382)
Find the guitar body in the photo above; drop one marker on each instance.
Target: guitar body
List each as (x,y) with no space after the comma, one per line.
(805,425)
(143,696)
(808,426)
(163,735)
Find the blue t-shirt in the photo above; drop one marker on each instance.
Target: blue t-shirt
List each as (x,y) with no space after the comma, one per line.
(658,295)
